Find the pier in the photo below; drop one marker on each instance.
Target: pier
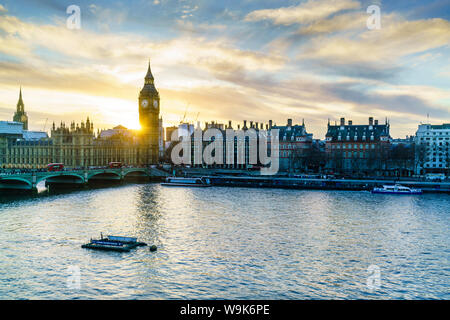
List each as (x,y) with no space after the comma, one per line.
(323,184)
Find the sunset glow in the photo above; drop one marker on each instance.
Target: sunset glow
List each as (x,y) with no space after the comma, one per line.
(258,61)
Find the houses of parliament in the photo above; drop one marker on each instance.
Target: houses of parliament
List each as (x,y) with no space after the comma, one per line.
(78,145)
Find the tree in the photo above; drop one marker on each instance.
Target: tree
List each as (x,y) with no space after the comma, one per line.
(420,156)
(316,158)
(401,158)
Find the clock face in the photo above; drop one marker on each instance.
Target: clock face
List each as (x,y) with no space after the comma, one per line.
(144,103)
(155,104)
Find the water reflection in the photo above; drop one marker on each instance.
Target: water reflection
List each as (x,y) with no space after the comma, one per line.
(225,243)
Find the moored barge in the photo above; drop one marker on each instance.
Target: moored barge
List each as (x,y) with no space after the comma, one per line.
(113,243)
(187,182)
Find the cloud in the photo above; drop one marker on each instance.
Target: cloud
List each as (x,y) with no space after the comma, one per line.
(406,103)
(393,41)
(337,23)
(117,49)
(107,17)
(113,65)
(308,12)
(327,65)
(2,8)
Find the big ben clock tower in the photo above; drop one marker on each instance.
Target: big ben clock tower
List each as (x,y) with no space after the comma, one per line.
(149,120)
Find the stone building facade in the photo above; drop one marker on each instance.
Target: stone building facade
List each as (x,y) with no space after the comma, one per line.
(433,149)
(294,142)
(77,145)
(362,149)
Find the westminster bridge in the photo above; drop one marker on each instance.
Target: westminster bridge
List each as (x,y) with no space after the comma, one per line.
(29,180)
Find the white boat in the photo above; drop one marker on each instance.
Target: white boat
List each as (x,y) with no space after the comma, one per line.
(396,189)
(187,182)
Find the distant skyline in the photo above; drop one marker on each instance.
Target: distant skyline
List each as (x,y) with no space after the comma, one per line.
(238,60)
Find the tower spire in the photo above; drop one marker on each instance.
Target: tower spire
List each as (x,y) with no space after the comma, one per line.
(20,104)
(149,76)
(20,115)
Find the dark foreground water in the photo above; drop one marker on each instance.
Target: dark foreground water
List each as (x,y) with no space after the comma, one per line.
(231,243)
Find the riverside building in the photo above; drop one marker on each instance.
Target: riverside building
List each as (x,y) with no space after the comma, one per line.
(354,149)
(432,148)
(77,145)
(294,142)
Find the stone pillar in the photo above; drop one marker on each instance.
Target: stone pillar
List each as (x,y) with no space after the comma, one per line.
(33,181)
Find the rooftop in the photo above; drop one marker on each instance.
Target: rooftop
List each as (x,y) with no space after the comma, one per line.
(11,127)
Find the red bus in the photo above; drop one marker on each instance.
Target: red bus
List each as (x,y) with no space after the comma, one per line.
(55,167)
(115,165)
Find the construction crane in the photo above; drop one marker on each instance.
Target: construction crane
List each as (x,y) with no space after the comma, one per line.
(184,117)
(45,125)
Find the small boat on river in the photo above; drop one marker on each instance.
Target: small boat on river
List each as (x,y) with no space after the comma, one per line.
(113,243)
(396,189)
(187,182)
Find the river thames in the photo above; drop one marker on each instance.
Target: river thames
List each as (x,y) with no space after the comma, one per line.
(226,243)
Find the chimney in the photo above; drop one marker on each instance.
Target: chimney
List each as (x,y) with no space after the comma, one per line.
(289,123)
(350,122)
(371,121)
(256,125)
(376,122)
(239,126)
(342,121)
(262,126)
(245,125)
(270,124)
(229,124)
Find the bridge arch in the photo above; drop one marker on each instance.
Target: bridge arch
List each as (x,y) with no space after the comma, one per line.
(106,174)
(77,178)
(135,173)
(15,183)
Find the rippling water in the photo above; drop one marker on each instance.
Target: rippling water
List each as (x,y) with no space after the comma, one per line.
(226,243)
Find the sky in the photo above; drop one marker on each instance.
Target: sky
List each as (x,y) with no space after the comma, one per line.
(228,60)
